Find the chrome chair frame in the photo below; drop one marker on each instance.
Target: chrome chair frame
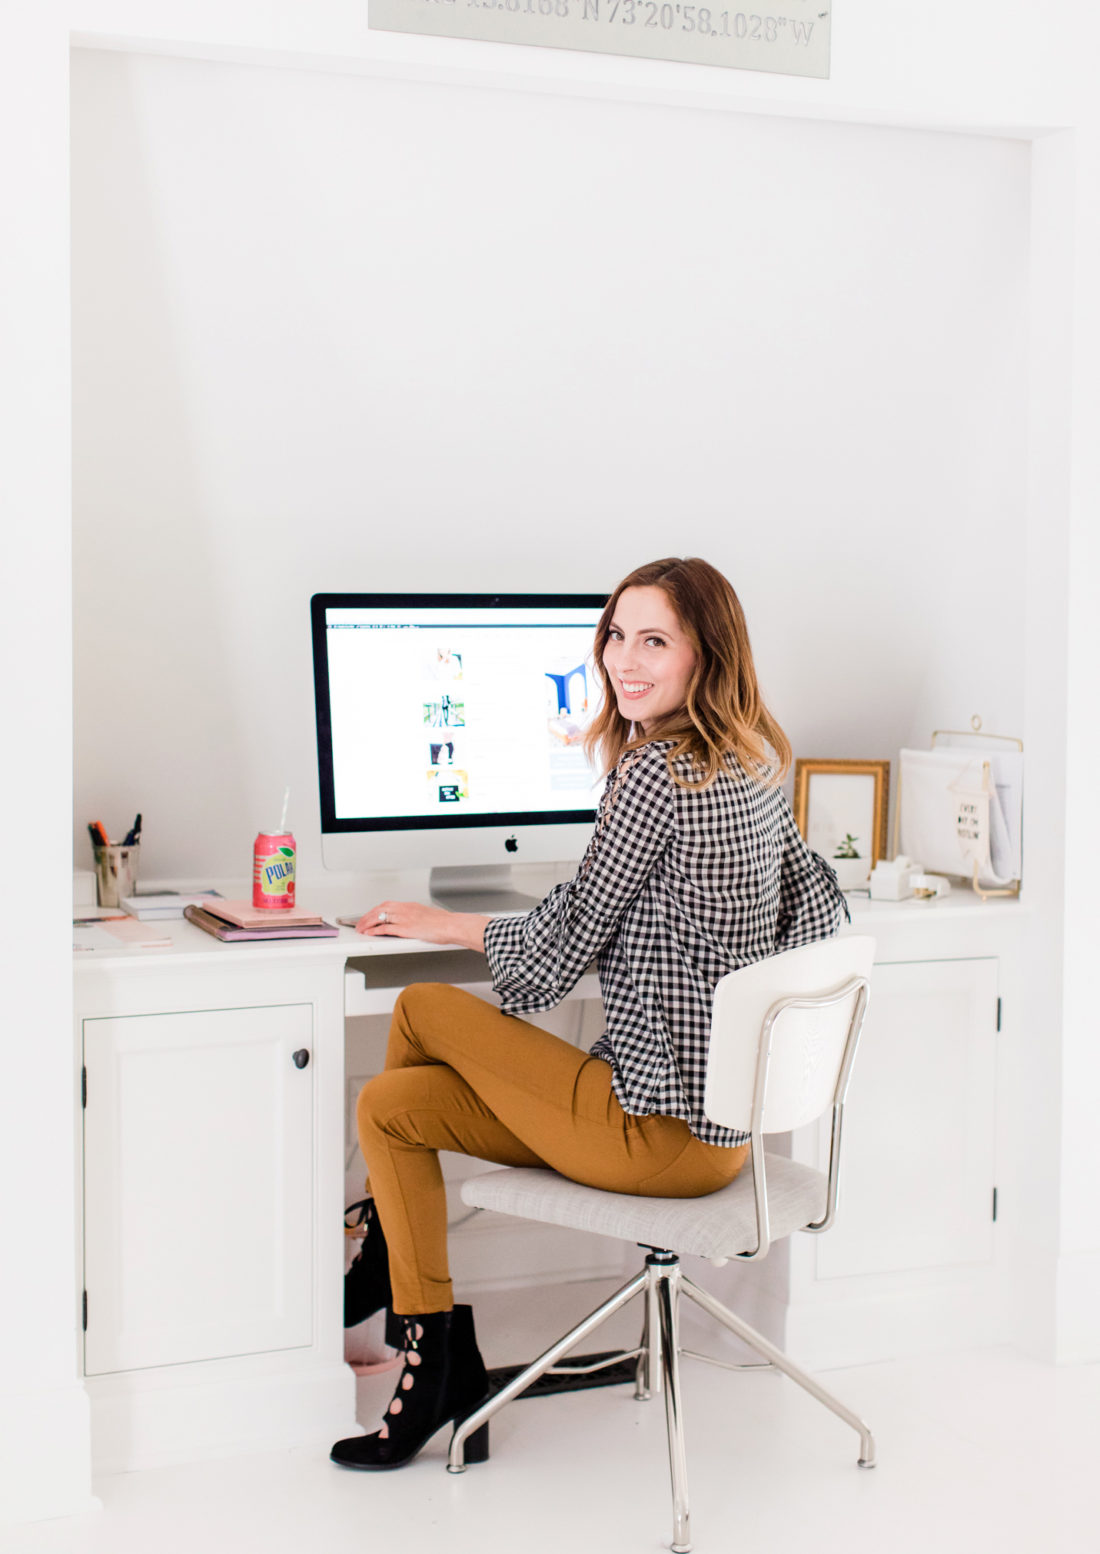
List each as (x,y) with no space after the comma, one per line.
(662,1282)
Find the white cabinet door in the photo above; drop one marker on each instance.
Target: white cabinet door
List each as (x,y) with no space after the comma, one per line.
(917,1167)
(198,1146)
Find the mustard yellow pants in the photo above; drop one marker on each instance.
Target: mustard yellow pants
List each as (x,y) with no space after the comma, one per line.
(462,1076)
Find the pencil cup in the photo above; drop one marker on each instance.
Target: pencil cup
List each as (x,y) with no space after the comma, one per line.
(116,870)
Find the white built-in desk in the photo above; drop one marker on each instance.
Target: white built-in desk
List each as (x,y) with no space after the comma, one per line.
(212,1150)
(210,1133)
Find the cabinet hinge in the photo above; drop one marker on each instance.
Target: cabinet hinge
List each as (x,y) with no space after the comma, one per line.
(998,1014)
(85,1310)
(84,1087)
(994,1205)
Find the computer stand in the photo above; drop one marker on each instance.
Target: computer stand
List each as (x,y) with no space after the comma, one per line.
(487,888)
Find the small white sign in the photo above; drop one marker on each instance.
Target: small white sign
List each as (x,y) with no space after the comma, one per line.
(785,37)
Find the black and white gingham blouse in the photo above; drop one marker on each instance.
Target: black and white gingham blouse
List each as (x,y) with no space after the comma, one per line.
(678,886)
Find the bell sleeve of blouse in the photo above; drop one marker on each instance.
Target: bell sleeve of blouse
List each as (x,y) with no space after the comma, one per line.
(810,899)
(536,959)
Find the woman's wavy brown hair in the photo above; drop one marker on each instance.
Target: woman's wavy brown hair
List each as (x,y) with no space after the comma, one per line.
(723,713)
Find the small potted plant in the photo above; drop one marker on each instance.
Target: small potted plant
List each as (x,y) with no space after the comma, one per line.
(851,868)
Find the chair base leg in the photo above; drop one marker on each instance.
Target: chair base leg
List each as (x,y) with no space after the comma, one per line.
(658,1369)
(776,1357)
(456,1462)
(648,1380)
(665,1279)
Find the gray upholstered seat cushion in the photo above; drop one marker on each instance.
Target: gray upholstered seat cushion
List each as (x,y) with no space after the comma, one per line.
(719,1225)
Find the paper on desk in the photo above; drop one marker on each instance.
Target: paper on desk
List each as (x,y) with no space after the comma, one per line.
(131,931)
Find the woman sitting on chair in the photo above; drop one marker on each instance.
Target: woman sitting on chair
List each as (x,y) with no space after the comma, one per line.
(695,868)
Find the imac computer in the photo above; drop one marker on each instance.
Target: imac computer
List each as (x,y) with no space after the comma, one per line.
(449,736)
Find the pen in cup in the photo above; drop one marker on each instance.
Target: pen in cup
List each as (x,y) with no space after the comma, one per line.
(116,863)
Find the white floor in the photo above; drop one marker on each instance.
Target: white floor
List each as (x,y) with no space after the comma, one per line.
(983,1451)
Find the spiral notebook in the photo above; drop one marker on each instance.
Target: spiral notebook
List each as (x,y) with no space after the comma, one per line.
(317,928)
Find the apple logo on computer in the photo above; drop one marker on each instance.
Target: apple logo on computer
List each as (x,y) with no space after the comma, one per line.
(510,844)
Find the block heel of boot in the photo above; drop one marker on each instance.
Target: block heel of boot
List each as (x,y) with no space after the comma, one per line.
(476,1447)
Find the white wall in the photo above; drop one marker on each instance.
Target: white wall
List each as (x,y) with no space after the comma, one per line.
(1078,1284)
(333,332)
(44,1443)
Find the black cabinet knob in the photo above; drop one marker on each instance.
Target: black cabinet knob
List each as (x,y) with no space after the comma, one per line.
(301,1058)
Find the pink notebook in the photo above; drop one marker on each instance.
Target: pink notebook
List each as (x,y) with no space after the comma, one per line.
(242,914)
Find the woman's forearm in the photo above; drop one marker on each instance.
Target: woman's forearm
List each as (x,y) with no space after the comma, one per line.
(469,930)
(432,924)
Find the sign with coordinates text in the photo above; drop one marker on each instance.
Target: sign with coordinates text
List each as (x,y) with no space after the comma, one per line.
(785,37)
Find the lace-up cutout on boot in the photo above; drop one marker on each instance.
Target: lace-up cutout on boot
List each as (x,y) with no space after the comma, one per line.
(442,1380)
(407,1380)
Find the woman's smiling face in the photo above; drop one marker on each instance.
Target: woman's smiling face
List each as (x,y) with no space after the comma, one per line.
(648,656)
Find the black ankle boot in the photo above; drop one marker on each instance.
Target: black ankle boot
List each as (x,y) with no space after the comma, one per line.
(442,1380)
(367,1281)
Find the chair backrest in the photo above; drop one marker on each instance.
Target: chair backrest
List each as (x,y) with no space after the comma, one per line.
(806,1045)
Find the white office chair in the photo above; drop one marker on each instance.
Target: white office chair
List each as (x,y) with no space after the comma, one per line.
(783,1038)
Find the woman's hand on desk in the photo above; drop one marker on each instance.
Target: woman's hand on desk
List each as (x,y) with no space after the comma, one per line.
(434,925)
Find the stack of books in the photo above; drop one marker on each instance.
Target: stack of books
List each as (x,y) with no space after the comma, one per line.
(235,920)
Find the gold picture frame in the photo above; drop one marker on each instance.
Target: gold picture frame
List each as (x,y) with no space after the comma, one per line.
(827,800)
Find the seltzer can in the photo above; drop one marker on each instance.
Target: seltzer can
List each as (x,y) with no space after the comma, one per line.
(273,860)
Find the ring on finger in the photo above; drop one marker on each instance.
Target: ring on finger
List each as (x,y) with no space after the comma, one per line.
(383,917)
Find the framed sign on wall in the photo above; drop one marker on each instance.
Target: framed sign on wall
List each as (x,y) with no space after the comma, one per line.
(784,37)
(841,807)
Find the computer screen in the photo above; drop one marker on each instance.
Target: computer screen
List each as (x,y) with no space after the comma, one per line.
(450,727)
